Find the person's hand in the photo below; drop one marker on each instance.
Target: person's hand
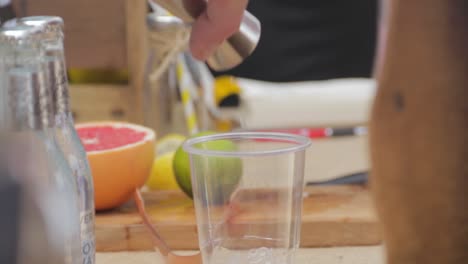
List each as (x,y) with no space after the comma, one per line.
(219,21)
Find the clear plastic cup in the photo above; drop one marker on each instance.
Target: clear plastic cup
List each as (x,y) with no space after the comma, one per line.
(247,189)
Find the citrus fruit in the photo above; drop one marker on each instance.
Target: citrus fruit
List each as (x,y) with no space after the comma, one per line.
(120,156)
(98,76)
(162,175)
(225,171)
(169,143)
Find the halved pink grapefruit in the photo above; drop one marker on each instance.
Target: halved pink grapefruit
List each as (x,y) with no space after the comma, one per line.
(120,155)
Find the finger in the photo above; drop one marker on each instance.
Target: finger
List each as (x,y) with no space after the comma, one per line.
(220,20)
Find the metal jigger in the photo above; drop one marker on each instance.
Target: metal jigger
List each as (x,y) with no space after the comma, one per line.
(233,50)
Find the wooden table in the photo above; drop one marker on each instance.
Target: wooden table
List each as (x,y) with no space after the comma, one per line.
(326,159)
(336,255)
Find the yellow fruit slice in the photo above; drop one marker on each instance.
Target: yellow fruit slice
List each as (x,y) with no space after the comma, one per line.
(162,175)
(169,143)
(98,76)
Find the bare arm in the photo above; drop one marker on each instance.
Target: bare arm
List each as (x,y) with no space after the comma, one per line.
(220,20)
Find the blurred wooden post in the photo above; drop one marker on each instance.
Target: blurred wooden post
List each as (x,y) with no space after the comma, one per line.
(126,100)
(419,131)
(137,50)
(104,34)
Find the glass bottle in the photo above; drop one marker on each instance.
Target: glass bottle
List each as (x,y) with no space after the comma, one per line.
(64,129)
(28,116)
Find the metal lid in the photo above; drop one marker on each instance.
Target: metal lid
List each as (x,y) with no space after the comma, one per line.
(49,23)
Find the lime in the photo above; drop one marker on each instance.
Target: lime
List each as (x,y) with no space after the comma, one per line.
(181,167)
(162,175)
(224,172)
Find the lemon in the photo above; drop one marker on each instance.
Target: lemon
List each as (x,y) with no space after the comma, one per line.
(223,171)
(169,143)
(98,76)
(162,175)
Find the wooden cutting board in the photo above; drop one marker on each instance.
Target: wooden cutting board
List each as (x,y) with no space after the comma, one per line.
(332,216)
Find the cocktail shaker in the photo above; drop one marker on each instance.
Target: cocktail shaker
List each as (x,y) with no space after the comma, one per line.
(234,49)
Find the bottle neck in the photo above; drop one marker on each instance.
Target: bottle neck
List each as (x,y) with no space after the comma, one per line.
(58,84)
(57,75)
(29,101)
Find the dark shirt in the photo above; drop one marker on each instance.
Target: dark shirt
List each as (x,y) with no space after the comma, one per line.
(6,11)
(312,40)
